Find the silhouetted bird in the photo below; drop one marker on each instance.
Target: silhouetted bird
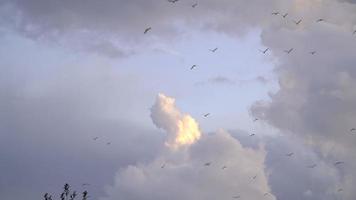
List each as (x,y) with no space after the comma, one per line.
(285,15)
(353,129)
(340,190)
(164,165)
(290,154)
(255,120)
(146,30)
(207,114)
(289,51)
(320,20)
(264,51)
(338,163)
(194,5)
(95,138)
(46,196)
(313,52)
(353,33)
(207,164)
(312,166)
(224,167)
(236,197)
(108,143)
(275,13)
(213,50)
(73,195)
(252,134)
(254,177)
(297,22)
(194,66)
(172,1)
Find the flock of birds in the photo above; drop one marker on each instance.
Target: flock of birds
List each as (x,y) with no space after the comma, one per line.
(65,195)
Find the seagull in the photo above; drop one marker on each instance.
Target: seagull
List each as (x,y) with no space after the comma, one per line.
(254,177)
(297,22)
(289,51)
(252,134)
(290,154)
(236,197)
(164,165)
(95,138)
(194,66)
(338,163)
(146,30)
(172,1)
(255,120)
(312,166)
(213,50)
(207,164)
(275,13)
(353,129)
(224,167)
(285,15)
(313,52)
(264,51)
(207,114)
(194,5)
(320,20)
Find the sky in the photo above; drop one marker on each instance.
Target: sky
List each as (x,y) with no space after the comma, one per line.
(87,98)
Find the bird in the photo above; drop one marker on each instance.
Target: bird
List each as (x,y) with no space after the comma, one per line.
(194,5)
(73,195)
(265,194)
(297,22)
(289,51)
(338,163)
(264,51)
(320,20)
(255,120)
(207,164)
(108,143)
(224,167)
(146,30)
(290,154)
(46,196)
(353,33)
(340,190)
(353,129)
(254,177)
(207,114)
(63,196)
(275,13)
(85,193)
(252,134)
(172,1)
(236,197)
(312,166)
(164,164)
(213,50)
(95,138)
(194,66)
(313,52)
(285,15)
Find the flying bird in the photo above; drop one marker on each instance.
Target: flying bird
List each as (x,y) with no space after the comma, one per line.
(255,120)
(289,51)
(313,52)
(108,143)
(275,13)
(95,138)
(353,129)
(290,154)
(252,134)
(254,177)
(172,1)
(146,30)
(338,163)
(164,165)
(297,22)
(207,114)
(340,190)
(194,5)
(353,33)
(264,51)
(63,196)
(285,15)
(85,193)
(236,197)
(213,50)
(194,66)
(73,195)
(85,184)
(207,164)
(265,194)
(224,167)
(320,20)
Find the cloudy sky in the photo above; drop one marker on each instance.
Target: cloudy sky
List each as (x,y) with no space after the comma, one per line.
(86,97)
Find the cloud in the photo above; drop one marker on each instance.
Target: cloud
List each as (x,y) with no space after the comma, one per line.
(182,129)
(187,177)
